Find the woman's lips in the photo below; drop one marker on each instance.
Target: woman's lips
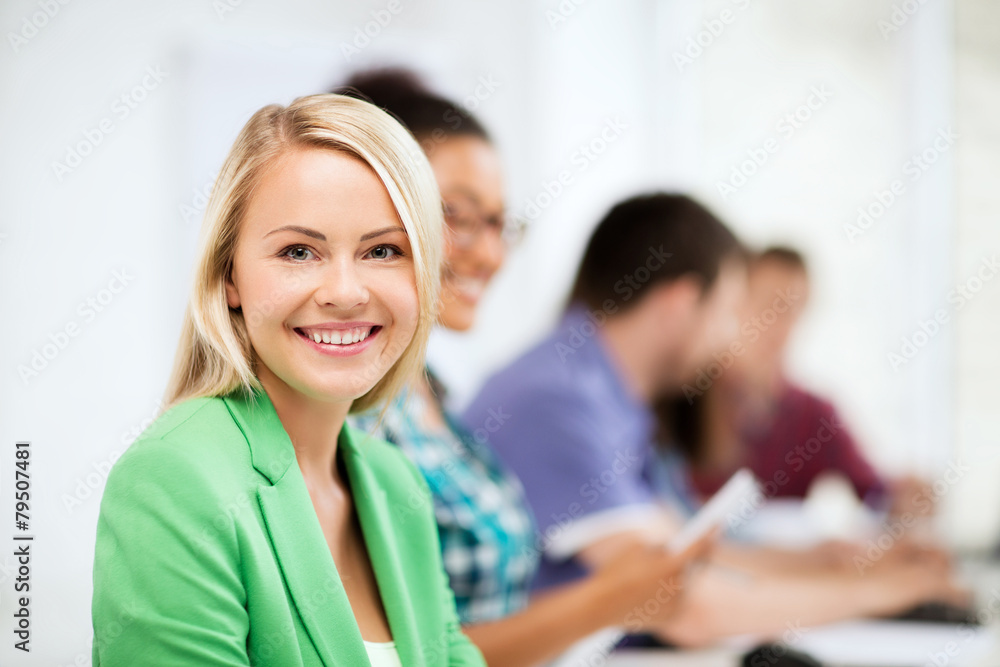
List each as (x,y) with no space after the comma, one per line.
(469,289)
(339,342)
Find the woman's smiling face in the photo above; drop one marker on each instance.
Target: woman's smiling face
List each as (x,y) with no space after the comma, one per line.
(324,274)
(468,172)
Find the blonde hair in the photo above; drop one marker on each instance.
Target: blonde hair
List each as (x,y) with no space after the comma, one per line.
(214,356)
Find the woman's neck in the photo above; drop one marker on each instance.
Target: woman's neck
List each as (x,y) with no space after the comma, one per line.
(313,426)
(433,415)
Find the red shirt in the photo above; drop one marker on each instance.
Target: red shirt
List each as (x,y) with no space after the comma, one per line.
(788,448)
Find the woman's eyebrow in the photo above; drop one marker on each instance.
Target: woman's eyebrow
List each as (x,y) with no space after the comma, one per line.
(380,232)
(301,230)
(462,192)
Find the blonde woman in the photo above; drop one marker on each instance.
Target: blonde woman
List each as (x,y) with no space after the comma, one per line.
(249,525)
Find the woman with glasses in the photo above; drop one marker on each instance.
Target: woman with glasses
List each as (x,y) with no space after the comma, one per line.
(488,537)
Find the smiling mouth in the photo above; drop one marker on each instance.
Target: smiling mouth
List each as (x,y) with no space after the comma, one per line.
(470,289)
(337,337)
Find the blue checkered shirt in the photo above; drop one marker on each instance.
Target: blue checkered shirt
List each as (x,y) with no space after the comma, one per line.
(486,527)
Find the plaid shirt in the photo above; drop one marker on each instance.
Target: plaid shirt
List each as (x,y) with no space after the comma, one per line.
(486,528)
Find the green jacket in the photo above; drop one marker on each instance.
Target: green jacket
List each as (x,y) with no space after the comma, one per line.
(209,551)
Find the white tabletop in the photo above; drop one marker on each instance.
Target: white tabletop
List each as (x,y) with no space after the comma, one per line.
(872,643)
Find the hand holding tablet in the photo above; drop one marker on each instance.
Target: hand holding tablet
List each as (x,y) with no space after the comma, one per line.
(741,486)
(690,543)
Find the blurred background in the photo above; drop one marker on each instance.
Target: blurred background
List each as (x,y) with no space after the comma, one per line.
(859,131)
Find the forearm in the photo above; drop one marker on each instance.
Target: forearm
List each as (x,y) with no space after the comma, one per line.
(551,623)
(723,603)
(774,561)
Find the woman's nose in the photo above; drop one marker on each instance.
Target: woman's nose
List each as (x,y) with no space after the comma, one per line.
(342,285)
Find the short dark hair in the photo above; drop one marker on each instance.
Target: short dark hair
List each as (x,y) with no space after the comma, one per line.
(783,254)
(694,241)
(681,425)
(400,92)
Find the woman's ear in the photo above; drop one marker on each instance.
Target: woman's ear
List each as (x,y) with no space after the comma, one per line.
(232,294)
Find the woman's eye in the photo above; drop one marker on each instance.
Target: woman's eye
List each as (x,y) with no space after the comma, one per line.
(383,252)
(298,253)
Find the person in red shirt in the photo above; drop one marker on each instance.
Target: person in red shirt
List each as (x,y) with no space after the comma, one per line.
(750,414)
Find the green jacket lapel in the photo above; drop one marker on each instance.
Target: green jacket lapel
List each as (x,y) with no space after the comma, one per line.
(383,549)
(297,537)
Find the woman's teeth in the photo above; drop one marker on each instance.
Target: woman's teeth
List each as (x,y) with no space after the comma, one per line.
(338,337)
(471,288)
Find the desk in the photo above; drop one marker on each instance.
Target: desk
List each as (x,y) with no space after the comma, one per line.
(715,657)
(942,646)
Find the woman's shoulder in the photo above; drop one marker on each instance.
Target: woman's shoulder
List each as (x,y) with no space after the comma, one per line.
(193,417)
(179,491)
(194,444)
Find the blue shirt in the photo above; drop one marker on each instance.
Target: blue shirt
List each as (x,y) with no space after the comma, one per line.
(670,475)
(484,523)
(573,433)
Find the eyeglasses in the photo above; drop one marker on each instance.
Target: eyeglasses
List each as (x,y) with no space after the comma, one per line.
(466,222)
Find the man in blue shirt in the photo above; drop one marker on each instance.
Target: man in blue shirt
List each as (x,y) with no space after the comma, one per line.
(655,300)
(580,430)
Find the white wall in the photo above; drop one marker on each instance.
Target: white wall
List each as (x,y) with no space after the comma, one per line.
(123,207)
(976,390)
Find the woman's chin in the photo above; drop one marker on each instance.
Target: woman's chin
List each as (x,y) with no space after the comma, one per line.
(457,324)
(458,317)
(334,388)
(339,394)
